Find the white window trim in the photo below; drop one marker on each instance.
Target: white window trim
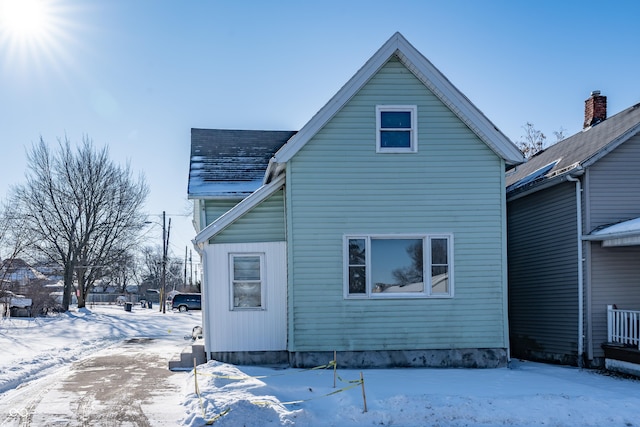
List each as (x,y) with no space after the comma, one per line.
(413,148)
(263,284)
(426,253)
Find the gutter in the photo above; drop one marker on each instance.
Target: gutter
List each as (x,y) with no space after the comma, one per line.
(611,236)
(546,184)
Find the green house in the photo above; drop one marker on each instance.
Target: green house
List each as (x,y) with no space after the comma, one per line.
(377,231)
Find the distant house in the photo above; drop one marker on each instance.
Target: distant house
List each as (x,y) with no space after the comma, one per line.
(574,242)
(378,230)
(19,273)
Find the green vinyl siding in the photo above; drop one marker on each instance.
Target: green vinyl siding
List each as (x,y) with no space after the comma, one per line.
(214,209)
(264,223)
(338,185)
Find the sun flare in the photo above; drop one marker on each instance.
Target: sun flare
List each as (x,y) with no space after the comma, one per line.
(36,37)
(25,19)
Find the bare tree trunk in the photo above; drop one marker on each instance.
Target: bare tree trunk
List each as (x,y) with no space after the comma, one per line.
(68,287)
(81,209)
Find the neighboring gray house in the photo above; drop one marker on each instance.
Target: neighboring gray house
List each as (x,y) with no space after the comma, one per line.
(377,231)
(574,242)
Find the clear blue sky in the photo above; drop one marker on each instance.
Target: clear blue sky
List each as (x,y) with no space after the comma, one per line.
(138,75)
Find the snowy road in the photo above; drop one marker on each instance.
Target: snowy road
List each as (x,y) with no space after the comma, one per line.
(126,384)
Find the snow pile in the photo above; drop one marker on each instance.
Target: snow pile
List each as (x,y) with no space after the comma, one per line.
(231,397)
(526,394)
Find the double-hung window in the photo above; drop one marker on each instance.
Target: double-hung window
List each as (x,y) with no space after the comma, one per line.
(247,283)
(412,266)
(396,129)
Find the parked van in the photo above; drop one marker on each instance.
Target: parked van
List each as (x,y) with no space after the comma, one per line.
(184,302)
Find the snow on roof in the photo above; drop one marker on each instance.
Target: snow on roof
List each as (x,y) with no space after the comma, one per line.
(20,302)
(624,227)
(227,163)
(625,233)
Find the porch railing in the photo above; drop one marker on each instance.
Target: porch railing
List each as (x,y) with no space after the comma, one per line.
(623,326)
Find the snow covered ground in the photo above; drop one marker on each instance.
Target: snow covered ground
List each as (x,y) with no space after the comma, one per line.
(32,348)
(526,394)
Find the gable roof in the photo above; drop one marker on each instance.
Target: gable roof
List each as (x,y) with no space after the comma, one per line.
(572,155)
(230,163)
(430,76)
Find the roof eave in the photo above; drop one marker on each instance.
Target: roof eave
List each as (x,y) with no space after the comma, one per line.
(546,183)
(428,75)
(225,196)
(611,236)
(459,104)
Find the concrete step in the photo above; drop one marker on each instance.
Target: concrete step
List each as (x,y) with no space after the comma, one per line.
(185,362)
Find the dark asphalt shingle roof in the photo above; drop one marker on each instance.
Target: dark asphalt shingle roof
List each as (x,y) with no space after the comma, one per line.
(577,150)
(231,162)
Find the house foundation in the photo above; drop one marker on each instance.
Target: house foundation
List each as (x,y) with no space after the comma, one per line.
(449,358)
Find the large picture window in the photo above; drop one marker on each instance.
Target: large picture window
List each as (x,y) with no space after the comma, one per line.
(398,266)
(396,129)
(247,287)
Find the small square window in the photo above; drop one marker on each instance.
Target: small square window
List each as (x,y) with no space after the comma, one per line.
(246,281)
(396,129)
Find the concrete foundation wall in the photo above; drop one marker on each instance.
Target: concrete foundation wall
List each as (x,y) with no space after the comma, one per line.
(251,357)
(453,358)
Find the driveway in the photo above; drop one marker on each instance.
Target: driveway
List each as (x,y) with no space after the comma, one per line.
(128,384)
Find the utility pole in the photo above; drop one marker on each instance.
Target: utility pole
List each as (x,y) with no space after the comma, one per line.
(184,283)
(165,247)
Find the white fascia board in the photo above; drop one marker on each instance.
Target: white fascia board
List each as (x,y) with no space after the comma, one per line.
(334,105)
(457,102)
(621,241)
(239,210)
(431,77)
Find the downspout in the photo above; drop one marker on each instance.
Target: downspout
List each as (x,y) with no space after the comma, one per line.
(580,270)
(505,269)
(203,290)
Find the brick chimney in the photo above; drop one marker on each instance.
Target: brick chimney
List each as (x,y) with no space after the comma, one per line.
(595,109)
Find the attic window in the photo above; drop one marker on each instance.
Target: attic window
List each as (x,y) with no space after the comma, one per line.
(396,128)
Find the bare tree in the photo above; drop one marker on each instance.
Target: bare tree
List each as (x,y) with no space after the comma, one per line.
(534,141)
(83,211)
(151,266)
(13,241)
(414,272)
(560,134)
(124,273)
(152,257)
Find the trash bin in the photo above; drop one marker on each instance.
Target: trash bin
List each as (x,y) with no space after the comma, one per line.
(128,306)
(149,304)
